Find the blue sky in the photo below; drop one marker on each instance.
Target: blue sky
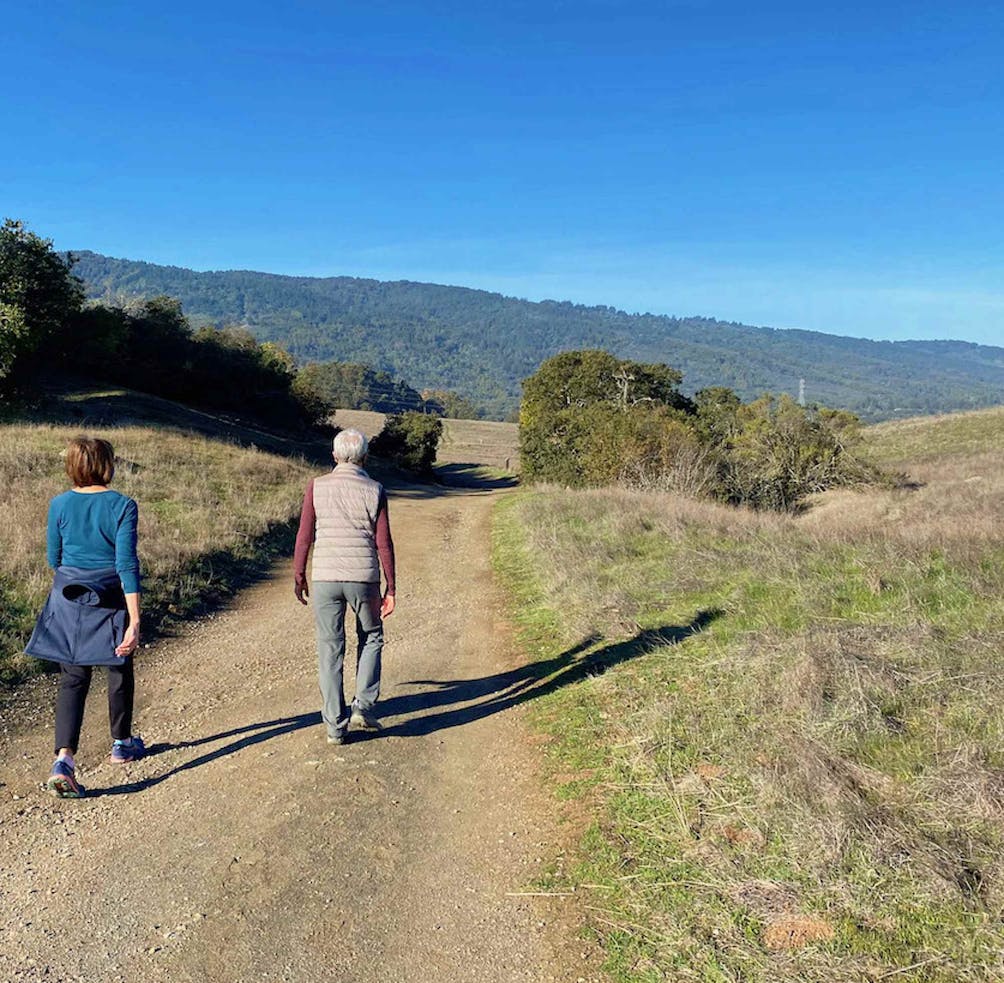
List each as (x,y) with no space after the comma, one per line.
(827,166)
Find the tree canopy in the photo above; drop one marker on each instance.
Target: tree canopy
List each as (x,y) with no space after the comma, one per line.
(38,293)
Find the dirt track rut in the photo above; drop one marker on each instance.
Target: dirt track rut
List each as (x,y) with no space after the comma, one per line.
(247,849)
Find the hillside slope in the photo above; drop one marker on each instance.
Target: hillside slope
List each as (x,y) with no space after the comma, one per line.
(787,729)
(217,502)
(484,344)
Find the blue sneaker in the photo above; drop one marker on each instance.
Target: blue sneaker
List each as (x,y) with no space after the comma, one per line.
(125,751)
(63,782)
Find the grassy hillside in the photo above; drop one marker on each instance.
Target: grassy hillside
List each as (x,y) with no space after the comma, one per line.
(787,731)
(483,344)
(214,506)
(465,442)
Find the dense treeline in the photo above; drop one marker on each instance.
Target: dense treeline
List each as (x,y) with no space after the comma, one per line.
(351,386)
(149,344)
(589,418)
(482,344)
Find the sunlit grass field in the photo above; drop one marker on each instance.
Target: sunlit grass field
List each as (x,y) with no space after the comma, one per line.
(483,442)
(788,730)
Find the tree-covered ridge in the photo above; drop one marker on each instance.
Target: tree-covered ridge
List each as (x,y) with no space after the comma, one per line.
(483,344)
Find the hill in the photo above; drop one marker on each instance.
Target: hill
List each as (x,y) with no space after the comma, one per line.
(484,344)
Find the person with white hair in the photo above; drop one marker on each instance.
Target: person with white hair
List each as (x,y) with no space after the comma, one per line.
(345,520)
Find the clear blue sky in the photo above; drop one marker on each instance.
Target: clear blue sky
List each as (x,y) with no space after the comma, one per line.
(834,166)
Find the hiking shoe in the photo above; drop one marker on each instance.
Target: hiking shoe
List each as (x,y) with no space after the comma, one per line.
(125,751)
(338,738)
(364,719)
(63,782)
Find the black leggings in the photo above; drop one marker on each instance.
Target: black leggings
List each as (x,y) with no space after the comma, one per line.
(74,682)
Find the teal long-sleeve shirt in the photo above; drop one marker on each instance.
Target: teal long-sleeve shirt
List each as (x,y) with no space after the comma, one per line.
(92,530)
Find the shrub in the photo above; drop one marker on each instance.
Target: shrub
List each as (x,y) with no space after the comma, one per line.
(779,452)
(410,440)
(577,403)
(589,418)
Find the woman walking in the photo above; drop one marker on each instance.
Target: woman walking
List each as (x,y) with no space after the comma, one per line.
(91,617)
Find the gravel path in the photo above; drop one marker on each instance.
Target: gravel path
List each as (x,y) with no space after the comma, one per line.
(248,849)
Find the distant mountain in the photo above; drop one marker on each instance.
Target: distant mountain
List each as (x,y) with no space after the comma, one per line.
(483,344)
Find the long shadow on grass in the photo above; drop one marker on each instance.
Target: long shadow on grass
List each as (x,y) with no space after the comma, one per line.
(466,700)
(494,694)
(253,734)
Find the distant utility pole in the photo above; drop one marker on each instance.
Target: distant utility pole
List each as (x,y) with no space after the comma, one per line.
(801,392)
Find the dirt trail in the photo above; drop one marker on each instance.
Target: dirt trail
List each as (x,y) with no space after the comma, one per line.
(248,849)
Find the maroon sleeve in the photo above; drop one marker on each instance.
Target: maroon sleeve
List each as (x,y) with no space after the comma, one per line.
(384,544)
(304,536)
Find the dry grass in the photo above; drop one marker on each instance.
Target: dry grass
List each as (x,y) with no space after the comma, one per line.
(937,438)
(481,442)
(811,787)
(210,512)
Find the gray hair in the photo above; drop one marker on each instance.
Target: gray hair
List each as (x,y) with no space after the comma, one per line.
(350,446)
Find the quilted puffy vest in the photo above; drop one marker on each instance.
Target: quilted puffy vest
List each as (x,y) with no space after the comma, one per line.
(345,511)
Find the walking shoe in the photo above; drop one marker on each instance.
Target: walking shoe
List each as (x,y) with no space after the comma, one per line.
(63,782)
(364,719)
(125,751)
(338,738)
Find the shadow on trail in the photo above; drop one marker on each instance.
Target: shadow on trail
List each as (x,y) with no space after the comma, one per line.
(265,731)
(503,690)
(459,475)
(460,701)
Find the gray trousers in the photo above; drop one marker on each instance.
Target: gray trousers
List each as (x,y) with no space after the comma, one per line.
(330,599)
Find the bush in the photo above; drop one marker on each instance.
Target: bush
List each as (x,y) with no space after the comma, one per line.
(591,419)
(576,404)
(778,452)
(410,440)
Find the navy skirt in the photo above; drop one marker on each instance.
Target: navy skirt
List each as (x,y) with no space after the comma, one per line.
(83,620)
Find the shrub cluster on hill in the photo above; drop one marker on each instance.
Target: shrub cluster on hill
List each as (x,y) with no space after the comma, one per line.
(352,386)
(590,419)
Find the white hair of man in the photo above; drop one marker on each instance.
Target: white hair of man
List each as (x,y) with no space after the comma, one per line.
(350,446)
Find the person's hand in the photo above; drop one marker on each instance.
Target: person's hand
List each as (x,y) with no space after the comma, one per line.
(302,591)
(387,606)
(130,642)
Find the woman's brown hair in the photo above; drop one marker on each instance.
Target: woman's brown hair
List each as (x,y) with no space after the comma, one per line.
(90,461)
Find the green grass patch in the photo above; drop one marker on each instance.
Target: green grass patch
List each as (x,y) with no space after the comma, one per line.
(788,729)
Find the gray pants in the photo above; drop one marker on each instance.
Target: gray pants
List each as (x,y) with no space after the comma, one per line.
(330,598)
